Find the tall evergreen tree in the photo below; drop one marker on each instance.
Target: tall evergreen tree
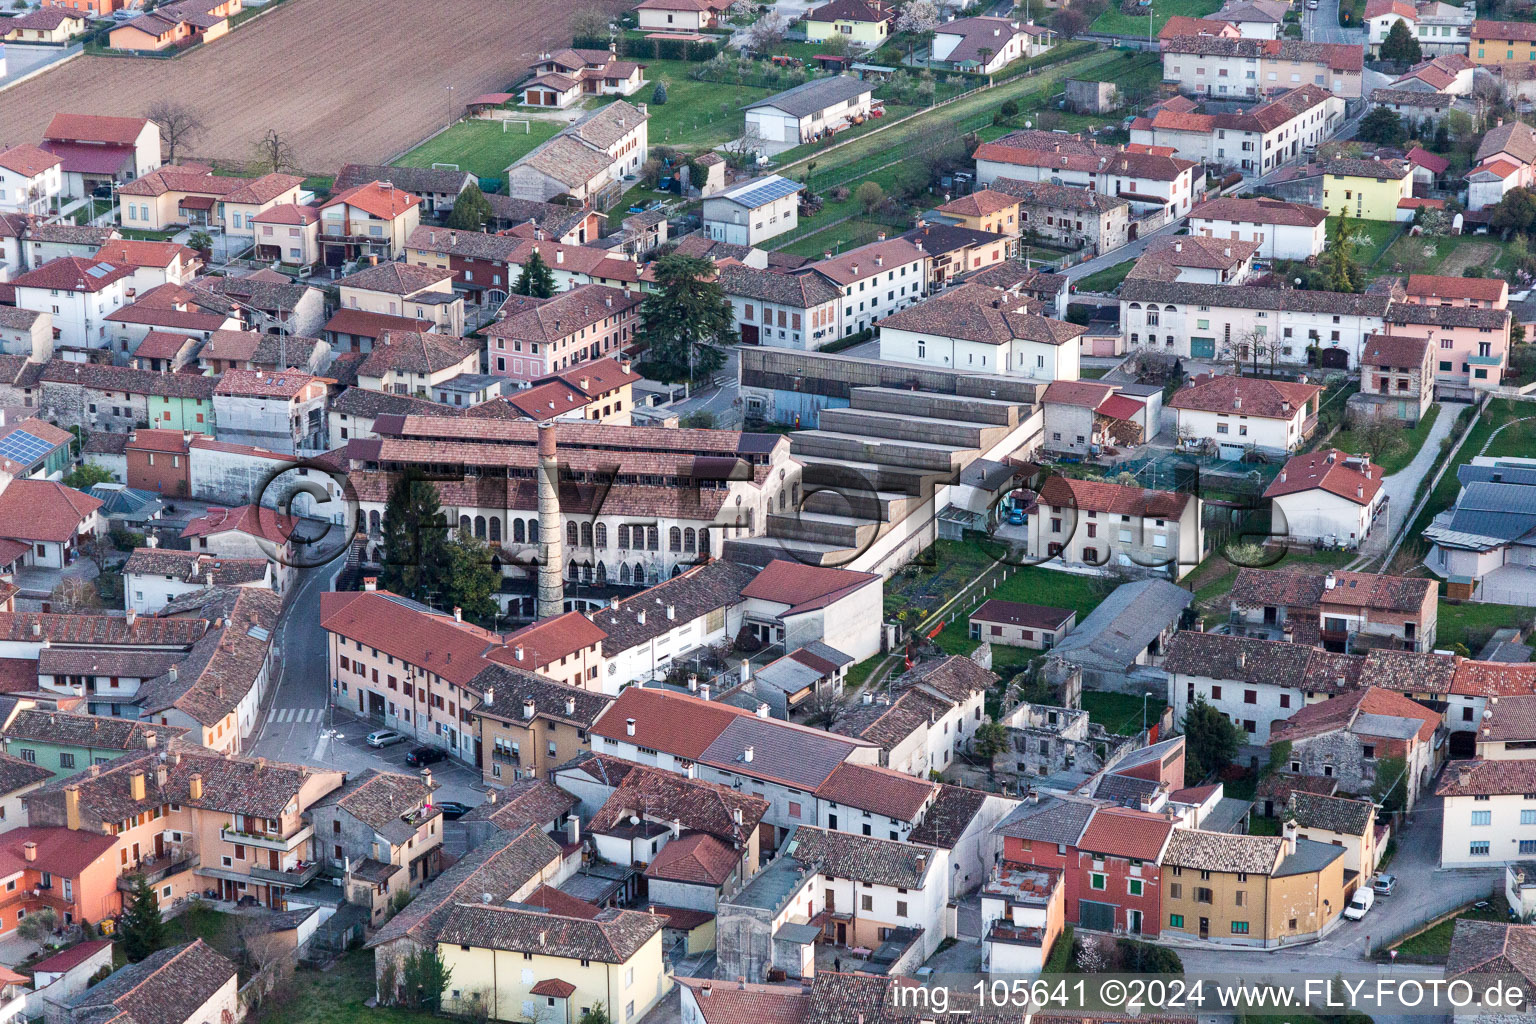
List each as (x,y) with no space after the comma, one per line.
(415,538)
(686,324)
(536,279)
(1400,45)
(471,210)
(469,580)
(140,929)
(1340,257)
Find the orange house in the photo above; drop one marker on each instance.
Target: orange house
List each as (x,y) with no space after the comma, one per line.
(71,873)
(99,8)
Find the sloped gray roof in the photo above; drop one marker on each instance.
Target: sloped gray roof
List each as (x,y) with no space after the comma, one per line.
(817,94)
(1122,626)
(1051,820)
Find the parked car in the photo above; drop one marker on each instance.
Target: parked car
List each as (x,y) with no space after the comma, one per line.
(385,738)
(1016,517)
(425,755)
(1384,884)
(452,809)
(1359,904)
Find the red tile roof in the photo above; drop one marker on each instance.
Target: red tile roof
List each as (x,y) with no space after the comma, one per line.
(249,519)
(28,160)
(130,252)
(71,273)
(1341,711)
(1259,211)
(123,131)
(263,383)
(162,345)
(1082,393)
(557,902)
(1100,496)
(363,324)
(71,957)
(1247,396)
(173,441)
(805,587)
(432,641)
(1327,469)
(1493,679)
(548,640)
(881,790)
(1391,350)
(698,858)
(728,1002)
(1126,833)
(979,204)
(62,851)
(682,726)
(554,987)
(1477,289)
(1030,616)
(1377,8)
(375,199)
(45,510)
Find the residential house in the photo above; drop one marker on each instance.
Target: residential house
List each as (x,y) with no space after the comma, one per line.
(400,289)
(1251,890)
(26,334)
(1080,217)
(1187,319)
(781,310)
(372,220)
(678,15)
(1503,162)
(1488,819)
(413,363)
(568,225)
(288,233)
(118,398)
(272,303)
(248,531)
(863,23)
(1281,230)
(1081,414)
(191,195)
(58,744)
(183,984)
(248,350)
(876,280)
(954,250)
(481,264)
(1337,610)
(99,150)
(1246,412)
(31,179)
(986,45)
(875,890)
(1153,181)
(1500,42)
(600,390)
(753,211)
(176,25)
(436,187)
(50,519)
(169,307)
(565,76)
(382,834)
(18,777)
(154,577)
(528,724)
(811,110)
(986,210)
(982,329)
(1015,624)
(46,24)
(1470,344)
(34,448)
(1505,732)
(1254,19)
(78,294)
(1344,822)
(571,265)
(153,263)
(539,337)
(1220,67)
(41,241)
(1397,379)
(282,411)
(588,156)
(1158,531)
(1366,189)
(1348,736)
(1255,142)
(1326,496)
(1021,918)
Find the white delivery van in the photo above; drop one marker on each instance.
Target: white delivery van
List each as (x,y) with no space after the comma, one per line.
(1362,901)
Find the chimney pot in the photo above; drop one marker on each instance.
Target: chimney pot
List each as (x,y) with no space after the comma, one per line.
(629,726)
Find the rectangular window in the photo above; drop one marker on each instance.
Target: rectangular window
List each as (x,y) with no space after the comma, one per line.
(1528,846)
(1133,886)
(1239,927)
(1097,881)
(1479,848)
(1528,817)
(1175,920)
(1483,818)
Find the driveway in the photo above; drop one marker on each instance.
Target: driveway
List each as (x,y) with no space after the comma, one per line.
(1400,487)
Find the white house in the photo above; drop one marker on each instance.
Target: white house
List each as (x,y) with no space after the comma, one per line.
(96,149)
(79,294)
(1327,496)
(1281,230)
(1148,181)
(1195,260)
(986,45)
(973,327)
(1246,412)
(798,604)
(50,519)
(1254,142)
(1249,68)
(154,576)
(753,211)
(30,179)
(1096,523)
(808,111)
(1490,812)
(782,310)
(592,152)
(1021,913)
(876,280)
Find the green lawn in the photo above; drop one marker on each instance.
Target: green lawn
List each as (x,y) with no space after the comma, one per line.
(1106,280)
(1436,941)
(1115,23)
(483,148)
(1258,825)
(838,238)
(699,115)
(1391,462)
(1029,584)
(1519,439)
(338,995)
(1472,623)
(1450,253)
(1371,237)
(1120,713)
(818,234)
(1093,372)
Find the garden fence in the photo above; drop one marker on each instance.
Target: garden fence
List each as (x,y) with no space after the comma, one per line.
(1434,909)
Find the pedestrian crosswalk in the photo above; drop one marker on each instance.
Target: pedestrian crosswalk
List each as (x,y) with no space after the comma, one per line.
(296,715)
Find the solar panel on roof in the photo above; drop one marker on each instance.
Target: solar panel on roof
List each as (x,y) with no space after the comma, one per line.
(100,270)
(768,191)
(23,447)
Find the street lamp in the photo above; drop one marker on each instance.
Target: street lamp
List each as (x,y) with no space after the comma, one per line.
(1144,710)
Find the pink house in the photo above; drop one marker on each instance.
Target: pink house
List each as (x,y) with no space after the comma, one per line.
(533,338)
(1433,290)
(1469,343)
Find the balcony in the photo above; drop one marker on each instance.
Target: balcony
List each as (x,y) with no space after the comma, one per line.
(156,869)
(267,840)
(293,877)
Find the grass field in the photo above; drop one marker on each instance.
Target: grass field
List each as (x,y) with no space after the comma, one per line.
(1029,584)
(338,995)
(697,114)
(482,148)
(1106,280)
(1391,462)
(1472,624)
(1115,23)
(1436,941)
(1120,713)
(1379,235)
(1451,255)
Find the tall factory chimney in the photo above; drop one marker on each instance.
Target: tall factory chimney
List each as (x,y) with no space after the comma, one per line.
(551,547)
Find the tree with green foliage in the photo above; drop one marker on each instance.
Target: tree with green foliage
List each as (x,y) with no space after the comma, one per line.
(140,930)
(659,94)
(38,925)
(424,979)
(471,581)
(598,1014)
(1210,741)
(686,324)
(536,280)
(1338,261)
(84,477)
(471,210)
(869,195)
(202,241)
(1146,958)
(1280,753)
(1400,45)
(1382,126)
(415,538)
(991,739)
(1516,212)
(1391,787)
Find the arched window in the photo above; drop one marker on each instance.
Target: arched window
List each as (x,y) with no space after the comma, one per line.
(601,576)
(373,522)
(496,529)
(674,539)
(463,526)
(623,572)
(652,538)
(600,531)
(623,535)
(1135,305)
(571,572)
(677,570)
(570,534)
(586,535)
(703,542)
(518,536)
(480,527)
(688,539)
(533,531)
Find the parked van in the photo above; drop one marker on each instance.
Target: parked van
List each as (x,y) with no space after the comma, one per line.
(1362,901)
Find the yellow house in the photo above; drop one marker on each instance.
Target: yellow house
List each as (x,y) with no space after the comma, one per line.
(44,25)
(1251,890)
(864,23)
(1366,189)
(191,195)
(510,963)
(985,210)
(1503,42)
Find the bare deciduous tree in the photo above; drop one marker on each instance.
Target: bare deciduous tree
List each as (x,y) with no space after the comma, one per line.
(180,124)
(826,706)
(589,23)
(766,32)
(273,153)
(73,594)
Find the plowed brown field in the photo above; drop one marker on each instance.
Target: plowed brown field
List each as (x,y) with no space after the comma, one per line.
(343,80)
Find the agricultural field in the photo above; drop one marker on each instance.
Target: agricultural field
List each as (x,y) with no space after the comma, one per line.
(483,148)
(341,81)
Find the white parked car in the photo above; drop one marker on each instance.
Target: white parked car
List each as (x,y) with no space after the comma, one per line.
(385,737)
(1363,900)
